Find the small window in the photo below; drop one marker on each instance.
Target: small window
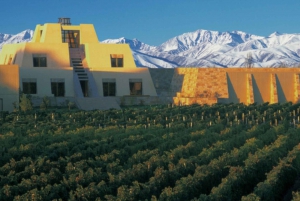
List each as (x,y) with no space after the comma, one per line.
(15,59)
(135,86)
(72,37)
(10,59)
(58,87)
(109,87)
(39,60)
(5,59)
(29,86)
(116,60)
(41,33)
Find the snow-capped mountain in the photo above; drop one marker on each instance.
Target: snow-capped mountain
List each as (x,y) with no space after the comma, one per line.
(24,36)
(203,48)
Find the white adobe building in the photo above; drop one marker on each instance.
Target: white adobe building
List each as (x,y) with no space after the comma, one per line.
(65,61)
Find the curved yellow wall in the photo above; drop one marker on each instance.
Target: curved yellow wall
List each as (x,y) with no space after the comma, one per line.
(9,86)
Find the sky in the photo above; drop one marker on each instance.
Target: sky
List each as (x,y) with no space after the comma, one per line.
(155,21)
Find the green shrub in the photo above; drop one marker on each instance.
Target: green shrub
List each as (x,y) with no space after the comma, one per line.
(25,103)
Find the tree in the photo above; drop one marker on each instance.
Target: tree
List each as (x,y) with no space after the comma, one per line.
(25,103)
(249,60)
(71,105)
(45,103)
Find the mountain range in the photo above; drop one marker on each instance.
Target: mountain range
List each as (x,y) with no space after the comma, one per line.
(204,48)
(24,36)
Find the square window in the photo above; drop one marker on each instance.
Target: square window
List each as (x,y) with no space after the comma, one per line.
(58,87)
(29,86)
(39,60)
(117,60)
(72,37)
(136,87)
(109,87)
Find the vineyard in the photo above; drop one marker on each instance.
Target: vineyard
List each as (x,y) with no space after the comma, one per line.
(218,152)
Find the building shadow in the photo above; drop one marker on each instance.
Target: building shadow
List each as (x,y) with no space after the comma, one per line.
(232,96)
(256,92)
(166,82)
(280,92)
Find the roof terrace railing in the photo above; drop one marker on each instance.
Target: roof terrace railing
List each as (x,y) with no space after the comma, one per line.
(64,21)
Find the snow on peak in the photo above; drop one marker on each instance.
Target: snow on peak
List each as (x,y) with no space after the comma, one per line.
(199,37)
(24,36)
(274,34)
(134,44)
(204,48)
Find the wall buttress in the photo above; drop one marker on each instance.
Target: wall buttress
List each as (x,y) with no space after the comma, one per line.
(274,94)
(250,96)
(296,88)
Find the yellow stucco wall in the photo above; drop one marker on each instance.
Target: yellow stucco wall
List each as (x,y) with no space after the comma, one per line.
(261,82)
(13,52)
(238,85)
(88,34)
(98,56)
(57,54)
(22,54)
(9,86)
(285,82)
(51,33)
(47,33)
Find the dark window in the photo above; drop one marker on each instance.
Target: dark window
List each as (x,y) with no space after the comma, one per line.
(71,37)
(58,87)
(109,87)
(116,60)
(135,86)
(29,86)
(39,60)
(15,59)
(9,60)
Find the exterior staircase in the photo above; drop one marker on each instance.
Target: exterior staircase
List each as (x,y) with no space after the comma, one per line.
(76,62)
(90,99)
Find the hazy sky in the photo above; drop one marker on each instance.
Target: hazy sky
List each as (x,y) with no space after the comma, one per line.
(155,21)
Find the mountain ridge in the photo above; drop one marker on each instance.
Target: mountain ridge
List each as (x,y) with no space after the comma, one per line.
(204,48)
